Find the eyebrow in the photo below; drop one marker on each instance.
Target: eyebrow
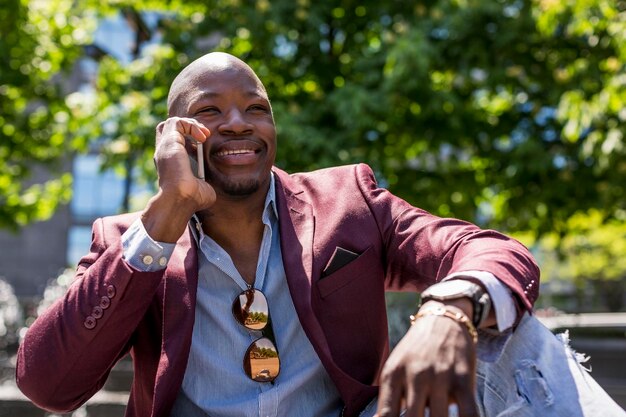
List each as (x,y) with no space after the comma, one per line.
(211,94)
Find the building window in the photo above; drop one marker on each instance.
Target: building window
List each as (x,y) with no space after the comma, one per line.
(78,242)
(98,193)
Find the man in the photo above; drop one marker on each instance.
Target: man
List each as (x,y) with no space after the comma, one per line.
(306,259)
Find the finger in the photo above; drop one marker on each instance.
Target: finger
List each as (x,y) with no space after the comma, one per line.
(390,396)
(172,124)
(438,401)
(416,401)
(468,410)
(204,129)
(192,128)
(464,388)
(199,132)
(159,133)
(182,127)
(466,403)
(159,128)
(389,403)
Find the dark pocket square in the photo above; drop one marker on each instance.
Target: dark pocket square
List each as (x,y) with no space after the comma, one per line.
(340,258)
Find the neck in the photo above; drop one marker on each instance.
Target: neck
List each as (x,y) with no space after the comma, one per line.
(237,226)
(234,216)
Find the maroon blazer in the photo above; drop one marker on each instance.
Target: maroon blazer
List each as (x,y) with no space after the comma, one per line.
(112,309)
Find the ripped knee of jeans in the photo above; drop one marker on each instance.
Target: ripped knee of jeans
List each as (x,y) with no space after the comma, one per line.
(531,384)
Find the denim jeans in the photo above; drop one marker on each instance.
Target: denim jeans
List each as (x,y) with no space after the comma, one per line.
(537,374)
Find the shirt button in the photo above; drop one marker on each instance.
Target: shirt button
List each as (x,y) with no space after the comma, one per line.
(111,291)
(147,260)
(90,322)
(97,312)
(105,302)
(162,261)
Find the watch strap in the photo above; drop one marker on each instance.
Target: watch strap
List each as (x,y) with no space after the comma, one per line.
(479,297)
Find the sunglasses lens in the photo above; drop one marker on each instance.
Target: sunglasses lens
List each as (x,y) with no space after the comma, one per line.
(261,361)
(250,309)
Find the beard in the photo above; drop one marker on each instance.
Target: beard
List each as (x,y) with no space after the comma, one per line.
(230,186)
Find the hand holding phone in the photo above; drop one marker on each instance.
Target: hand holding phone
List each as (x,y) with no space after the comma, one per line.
(180,159)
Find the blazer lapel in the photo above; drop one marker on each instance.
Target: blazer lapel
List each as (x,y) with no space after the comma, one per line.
(297,227)
(179,300)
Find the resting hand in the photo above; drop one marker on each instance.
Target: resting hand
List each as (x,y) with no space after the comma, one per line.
(432,366)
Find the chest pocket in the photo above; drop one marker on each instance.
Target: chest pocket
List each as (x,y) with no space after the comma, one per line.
(344,276)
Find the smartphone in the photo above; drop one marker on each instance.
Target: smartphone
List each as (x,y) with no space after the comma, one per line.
(200,158)
(197,163)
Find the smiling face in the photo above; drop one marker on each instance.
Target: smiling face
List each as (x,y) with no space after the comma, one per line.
(223,93)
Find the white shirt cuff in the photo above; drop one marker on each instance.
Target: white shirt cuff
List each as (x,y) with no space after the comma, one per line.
(501,299)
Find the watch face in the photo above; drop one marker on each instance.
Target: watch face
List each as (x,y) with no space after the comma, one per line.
(449,289)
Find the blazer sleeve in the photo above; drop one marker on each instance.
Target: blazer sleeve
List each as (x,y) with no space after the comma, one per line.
(70,349)
(422,249)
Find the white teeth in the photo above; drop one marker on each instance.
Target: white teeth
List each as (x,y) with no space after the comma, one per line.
(235,152)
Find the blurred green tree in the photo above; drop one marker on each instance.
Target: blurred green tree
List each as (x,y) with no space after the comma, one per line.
(508,112)
(590,257)
(39,43)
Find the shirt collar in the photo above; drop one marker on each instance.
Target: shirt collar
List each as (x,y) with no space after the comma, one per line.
(270,199)
(269,210)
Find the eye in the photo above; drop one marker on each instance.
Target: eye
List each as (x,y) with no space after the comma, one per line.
(208,110)
(259,108)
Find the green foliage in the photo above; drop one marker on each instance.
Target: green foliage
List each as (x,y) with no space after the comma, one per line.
(39,41)
(504,112)
(592,249)
(592,252)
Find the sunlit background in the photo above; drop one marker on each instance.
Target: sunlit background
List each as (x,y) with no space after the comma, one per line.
(507,113)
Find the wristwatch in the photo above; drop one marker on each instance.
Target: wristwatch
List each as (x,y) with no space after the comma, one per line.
(459,288)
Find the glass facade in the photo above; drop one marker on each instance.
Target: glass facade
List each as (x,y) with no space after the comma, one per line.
(98,193)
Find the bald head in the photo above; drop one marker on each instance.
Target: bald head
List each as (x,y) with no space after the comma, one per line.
(201,72)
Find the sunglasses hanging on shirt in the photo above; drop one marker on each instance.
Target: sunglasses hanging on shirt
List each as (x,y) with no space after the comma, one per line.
(261,362)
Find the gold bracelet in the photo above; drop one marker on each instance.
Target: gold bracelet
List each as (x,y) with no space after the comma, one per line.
(448,312)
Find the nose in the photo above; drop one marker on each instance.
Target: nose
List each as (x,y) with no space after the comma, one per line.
(235,123)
